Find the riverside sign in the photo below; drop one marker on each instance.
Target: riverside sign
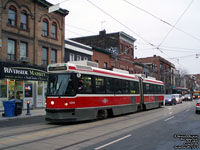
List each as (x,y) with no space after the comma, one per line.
(14,71)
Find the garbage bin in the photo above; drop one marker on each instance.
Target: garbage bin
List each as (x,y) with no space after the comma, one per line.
(9,108)
(18,107)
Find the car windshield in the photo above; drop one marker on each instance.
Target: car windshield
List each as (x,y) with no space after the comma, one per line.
(168,96)
(61,85)
(176,95)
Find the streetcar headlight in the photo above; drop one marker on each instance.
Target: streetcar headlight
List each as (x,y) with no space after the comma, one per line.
(66,103)
(52,102)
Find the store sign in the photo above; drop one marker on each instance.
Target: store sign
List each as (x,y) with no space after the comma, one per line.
(22,73)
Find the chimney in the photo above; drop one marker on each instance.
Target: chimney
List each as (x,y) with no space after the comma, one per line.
(102,33)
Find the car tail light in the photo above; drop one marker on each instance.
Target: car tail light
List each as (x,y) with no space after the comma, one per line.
(197,104)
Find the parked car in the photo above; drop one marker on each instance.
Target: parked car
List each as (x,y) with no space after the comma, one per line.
(196,96)
(198,106)
(169,99)
(187,97)
(178,98)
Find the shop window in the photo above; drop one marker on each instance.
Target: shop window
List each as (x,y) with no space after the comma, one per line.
(19,89)
(11,49)
(28,90)
(11,89)
(12,16)
(3,88)
(24,20)
(53,56)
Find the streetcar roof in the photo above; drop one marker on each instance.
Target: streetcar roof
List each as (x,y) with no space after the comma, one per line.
(82,68)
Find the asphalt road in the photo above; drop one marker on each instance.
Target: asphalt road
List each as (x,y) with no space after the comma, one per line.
(170,127)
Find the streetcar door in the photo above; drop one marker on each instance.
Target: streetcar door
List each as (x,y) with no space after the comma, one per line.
(141,93)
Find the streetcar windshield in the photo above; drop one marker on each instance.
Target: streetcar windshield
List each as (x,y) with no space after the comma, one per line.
(61,85)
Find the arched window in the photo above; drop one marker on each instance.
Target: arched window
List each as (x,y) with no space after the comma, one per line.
(24,20)
(54,30)
(45,27)
(12,16)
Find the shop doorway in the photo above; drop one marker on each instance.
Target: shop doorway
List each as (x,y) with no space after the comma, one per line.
(40,101)
(28,94)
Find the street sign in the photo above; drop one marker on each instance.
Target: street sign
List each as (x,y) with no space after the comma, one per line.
(53,8)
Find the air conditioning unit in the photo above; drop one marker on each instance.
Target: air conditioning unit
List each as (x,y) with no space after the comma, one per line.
(23,59)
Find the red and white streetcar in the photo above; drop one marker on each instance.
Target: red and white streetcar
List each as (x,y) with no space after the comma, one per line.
(79,91)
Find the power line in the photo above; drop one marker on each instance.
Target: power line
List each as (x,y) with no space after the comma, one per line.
(80,29)
(120,23)
(147,12)
(175,23)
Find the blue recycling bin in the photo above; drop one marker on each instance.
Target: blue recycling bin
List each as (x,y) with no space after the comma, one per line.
(9,108)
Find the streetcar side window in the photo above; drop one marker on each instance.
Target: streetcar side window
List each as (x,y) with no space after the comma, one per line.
(100,85)
(134,87)
(125,86)
(109,85)
(118,86)
(85,84)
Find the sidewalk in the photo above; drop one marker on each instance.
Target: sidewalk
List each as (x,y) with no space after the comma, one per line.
(34,113)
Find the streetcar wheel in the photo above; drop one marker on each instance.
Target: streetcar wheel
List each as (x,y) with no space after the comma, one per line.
(102,114)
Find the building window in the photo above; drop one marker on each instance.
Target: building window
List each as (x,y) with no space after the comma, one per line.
(127,50)
(85,58)
(23,49)
(105,65)
(132,52)
(121,48)
(71,57)
(53,56)
(11,49)
(24,20)
(78,58)
(12,16)
(45,28)
(45,56)
(54,30)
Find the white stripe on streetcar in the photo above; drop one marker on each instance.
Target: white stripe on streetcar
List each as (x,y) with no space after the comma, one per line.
(113,142)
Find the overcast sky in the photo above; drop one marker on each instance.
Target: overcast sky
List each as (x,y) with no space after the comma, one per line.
(167,28)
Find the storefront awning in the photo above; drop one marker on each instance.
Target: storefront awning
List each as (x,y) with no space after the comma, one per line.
(10,70)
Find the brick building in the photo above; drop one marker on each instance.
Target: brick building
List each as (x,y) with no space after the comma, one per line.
(120,45)
(161,69)
(30,39)
(102,57)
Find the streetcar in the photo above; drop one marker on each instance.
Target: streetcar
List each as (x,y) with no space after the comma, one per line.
(79,91)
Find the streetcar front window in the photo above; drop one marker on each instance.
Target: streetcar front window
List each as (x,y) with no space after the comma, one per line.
(61,85)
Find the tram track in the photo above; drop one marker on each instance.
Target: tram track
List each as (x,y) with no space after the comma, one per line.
(107,122)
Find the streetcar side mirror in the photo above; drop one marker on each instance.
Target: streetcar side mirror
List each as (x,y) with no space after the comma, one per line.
(78,75)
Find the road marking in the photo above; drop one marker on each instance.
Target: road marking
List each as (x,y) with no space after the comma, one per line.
(187,110)
(170,113)
(169,118)
(113,142)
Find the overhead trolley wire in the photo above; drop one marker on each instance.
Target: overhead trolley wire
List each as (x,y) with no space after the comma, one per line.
(147,12)
(175,23)
(121,23)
